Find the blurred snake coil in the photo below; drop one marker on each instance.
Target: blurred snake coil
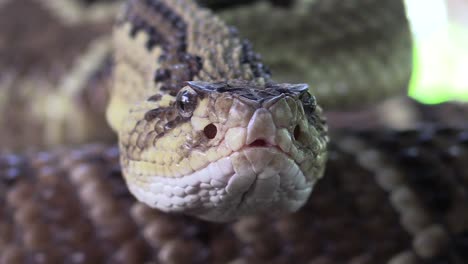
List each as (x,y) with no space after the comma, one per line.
(209,128)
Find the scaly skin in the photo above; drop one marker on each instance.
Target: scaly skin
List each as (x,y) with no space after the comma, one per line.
(262,148)
(387,197)
(234,145)
(202,129)
(351,54)
(53,76)
(61,43)
(391,197)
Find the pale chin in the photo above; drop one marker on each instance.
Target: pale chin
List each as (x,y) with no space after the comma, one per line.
(250,181)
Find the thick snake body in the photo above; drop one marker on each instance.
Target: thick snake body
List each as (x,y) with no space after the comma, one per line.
(241,142)
(398,198)
(71,204)
(53,74)
(351,54)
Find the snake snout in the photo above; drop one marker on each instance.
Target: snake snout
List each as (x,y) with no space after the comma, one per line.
(261,129)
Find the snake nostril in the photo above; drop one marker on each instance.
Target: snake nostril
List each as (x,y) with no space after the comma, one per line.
(297,132)
(210,131)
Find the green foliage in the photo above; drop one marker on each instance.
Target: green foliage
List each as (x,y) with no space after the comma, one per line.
(441,66)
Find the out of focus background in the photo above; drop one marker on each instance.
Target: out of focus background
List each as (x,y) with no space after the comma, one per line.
(45,44)
(440,29)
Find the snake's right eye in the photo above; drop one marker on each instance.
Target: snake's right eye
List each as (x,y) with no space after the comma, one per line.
(187,101)
(308,100)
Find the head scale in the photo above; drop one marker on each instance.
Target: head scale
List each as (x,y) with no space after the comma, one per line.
(220,150)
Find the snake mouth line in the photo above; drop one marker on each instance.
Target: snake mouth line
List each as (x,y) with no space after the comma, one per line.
(259,143)
(258,174)
(262,144)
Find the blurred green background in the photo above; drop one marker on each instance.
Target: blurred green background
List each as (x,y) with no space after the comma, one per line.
(440,29)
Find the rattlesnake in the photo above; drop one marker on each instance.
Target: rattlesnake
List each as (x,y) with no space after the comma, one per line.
(55,53)
(136,49)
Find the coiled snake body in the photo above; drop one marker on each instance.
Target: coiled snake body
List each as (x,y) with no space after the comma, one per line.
(203,128)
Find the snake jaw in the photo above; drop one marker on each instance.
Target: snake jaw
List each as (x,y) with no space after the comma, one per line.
(265,180)
(253,180)
(264,152)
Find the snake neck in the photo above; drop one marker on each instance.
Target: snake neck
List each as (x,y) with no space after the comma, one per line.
(159,45)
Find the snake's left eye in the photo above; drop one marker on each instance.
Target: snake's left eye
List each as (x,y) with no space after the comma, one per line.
(187,100)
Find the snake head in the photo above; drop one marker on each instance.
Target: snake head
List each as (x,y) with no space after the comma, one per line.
(221,150)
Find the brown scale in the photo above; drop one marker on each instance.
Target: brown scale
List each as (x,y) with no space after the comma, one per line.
(132,251)
(155,98)
(104,212)
(357,197)
(169,30)
(434,162)
(254,60)
(29,228)
(80,239)
(13,255)
(349,219)
(169,111)
(156,123)
(166,29)
(182,251)
(223,247)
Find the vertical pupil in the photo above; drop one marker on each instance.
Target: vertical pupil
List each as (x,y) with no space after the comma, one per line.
(185,100)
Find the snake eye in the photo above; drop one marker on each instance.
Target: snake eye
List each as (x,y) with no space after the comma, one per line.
(187,100)
(308,100)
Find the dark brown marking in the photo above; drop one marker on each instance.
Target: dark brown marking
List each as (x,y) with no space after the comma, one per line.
(13,168)
(157,112)
(165,118)
(254,61)
(155,98)
(426,161)
(173,123)
(162,75)
(168,30)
